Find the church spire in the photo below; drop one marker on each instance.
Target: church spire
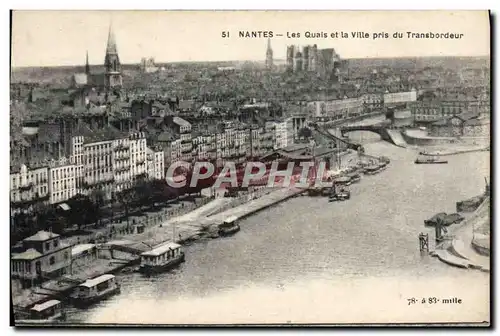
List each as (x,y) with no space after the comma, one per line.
(87,66)
(111,46)
(269,55)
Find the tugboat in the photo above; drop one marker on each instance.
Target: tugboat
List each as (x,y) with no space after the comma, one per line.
(161,258)
(94,290)
(229,227)
(429,160)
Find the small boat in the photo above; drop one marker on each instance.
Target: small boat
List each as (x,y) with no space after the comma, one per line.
(355,177)
(339,195)
(371,170)
(429,160)
(95,290)
(229,227)
(46,312)
(344,180)
(161,258)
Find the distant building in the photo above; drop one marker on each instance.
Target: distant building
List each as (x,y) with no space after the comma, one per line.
(112,76)
(461,125)
(339,109)
(324,62)
(269,55)
(148,65)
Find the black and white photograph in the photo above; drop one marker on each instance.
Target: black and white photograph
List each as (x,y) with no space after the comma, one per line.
(250,168)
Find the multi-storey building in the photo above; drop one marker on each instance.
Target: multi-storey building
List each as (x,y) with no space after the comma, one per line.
(98,167)
(155,163)
(373,102)
(138,165)
(62,180)
(28,186)
(284,133)
(400,98)
(267,138)
(339,109)
(45,257)
(121,160)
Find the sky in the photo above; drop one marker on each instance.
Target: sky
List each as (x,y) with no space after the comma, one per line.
(57,38)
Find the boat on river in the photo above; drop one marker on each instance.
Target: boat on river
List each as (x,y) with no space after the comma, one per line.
(229,226)
(371,170)
(430,160)
(162,258)
(355,177)
(339,193)
(44,313)
(343,180)
(95,290)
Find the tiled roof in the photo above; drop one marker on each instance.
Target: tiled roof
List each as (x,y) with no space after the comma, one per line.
(42,236)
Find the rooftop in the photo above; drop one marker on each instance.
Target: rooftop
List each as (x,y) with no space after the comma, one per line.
(45,305)
(29,254)
(77,249)
(181,122)
(92,282)
(42,236)
(161,249)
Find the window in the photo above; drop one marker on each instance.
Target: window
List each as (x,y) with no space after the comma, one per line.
(52,260)
(66,255)
(47,246)
(56,243)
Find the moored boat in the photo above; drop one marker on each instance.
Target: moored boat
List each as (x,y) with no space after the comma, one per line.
(371,170)
(429,160)
(339,194)
(161,258)
(46,312)
(229,226)
(355,177)
(343,180)
(95,290)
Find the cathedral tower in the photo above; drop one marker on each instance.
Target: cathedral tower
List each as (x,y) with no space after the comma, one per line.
(113,75)
(269,55)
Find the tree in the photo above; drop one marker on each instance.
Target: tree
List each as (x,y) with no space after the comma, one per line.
(97,198)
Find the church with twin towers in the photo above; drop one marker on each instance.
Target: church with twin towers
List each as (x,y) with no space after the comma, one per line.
(325,63)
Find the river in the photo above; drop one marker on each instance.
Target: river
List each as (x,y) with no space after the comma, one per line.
(307,260)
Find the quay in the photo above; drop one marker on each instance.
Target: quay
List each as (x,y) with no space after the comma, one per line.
(465,247)
(119,250)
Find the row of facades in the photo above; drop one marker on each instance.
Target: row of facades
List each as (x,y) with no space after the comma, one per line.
(110,165)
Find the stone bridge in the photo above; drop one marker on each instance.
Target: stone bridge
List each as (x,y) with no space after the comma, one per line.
(380,129)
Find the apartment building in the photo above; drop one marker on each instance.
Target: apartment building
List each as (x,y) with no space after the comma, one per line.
(62,180)
(28,186)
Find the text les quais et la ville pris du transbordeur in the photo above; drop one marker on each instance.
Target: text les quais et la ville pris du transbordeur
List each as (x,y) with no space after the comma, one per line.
(342,34)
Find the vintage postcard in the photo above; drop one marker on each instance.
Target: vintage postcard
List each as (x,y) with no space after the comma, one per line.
(250,168)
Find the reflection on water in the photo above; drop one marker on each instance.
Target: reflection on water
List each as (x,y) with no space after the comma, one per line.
(287,258)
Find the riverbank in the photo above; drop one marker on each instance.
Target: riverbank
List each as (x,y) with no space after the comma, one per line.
(454,151)
(461,249)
